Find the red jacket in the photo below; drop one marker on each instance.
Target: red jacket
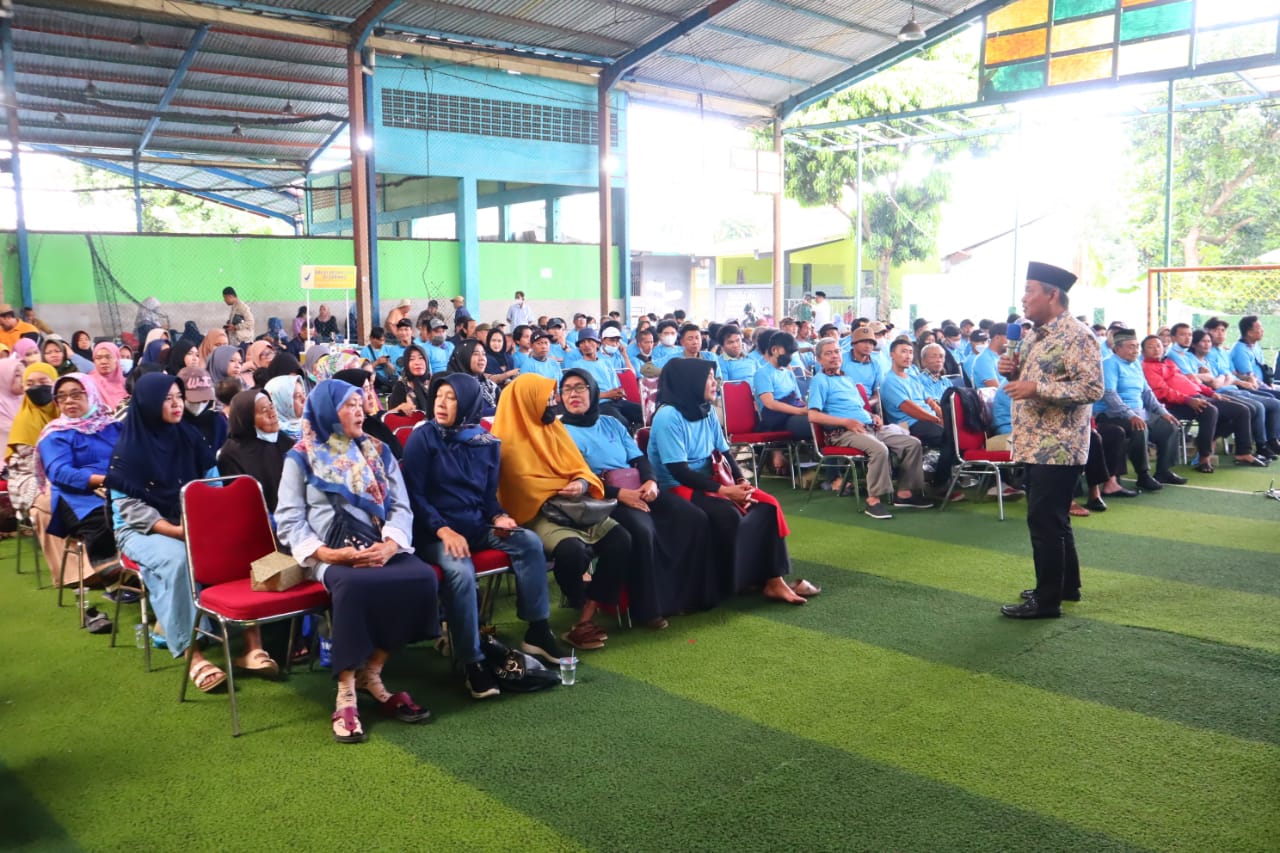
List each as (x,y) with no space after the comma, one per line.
(1171,385)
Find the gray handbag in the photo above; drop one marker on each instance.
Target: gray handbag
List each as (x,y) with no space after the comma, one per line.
(582,513)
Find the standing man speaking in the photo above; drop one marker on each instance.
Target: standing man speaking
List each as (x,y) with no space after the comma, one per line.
(1053,381)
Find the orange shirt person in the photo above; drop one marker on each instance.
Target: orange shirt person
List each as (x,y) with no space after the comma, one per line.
(11,328)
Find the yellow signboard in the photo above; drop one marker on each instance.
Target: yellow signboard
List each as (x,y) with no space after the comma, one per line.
(316,277)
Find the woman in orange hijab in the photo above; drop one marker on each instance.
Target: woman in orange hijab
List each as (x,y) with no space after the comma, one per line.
(540,461)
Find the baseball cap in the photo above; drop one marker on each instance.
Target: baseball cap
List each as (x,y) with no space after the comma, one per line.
(555,323)
(198,384)
(608,332)
(538,335)
(588,334)
(977,336)
(436,323)
(863,334)
(404,323)
(6,308)
(877,327)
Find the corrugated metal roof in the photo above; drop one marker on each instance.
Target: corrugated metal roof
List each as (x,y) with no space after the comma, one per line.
(91,74)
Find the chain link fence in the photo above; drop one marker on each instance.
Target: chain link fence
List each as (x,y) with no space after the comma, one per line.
(1194,294)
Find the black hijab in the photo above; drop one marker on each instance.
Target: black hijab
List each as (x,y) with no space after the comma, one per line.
(682,385)
(154,459)
(284,364)
(245,453)
(592,414)
(460,361)
(416,385)
(500,361)
(178,355)
(191,332)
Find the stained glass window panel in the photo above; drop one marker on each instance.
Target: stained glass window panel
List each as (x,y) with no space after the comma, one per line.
(1215,12)
(1064,9)
(1091,32)
(1127,4)
(1236,43)
(1023,13)
(1155,20)
(1018,77)
(1025,45)
(1080,67)
(1155,55)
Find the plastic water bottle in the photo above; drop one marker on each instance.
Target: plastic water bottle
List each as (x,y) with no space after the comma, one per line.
(140,635)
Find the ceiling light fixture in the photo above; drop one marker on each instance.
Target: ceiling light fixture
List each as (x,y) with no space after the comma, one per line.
(59,118)
(911,31)
(288,108)
(237,130)
(90,89)
(139,42)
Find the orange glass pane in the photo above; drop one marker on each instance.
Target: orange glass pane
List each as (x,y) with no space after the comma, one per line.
(1079,67)
(1023,13)
(1128,4)
(1093,32)
(1015,46)
(1154,55)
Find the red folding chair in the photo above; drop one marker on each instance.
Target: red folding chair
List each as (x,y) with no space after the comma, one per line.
(972,456)
(402,435)
(630,385)
(642,439)
(742,428)
(834,456)
(227,528)
(131,581)
(395,420)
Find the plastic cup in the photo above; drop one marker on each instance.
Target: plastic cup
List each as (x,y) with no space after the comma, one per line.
(140,635)
(568,670)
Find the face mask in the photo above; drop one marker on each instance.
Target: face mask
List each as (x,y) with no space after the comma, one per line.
(784,360)
(41,395)
(126,364)
(977,348)
(269,437)
(196,408)
(668,340)
(608,350)
(549,415)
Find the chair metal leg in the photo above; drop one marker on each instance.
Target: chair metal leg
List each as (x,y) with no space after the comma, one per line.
(146,629)
(951,487)
(1000,492)
(231,679)
(288,653)
(191,648)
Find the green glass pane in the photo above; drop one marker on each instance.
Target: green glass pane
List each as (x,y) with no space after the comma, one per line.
(1147,21)
(1019,77)
(1063,9)
(1236,43)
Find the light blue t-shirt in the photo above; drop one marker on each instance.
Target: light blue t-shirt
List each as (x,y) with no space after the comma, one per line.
(1219,362)
(837,396)
(438,356)
(894,391)
(613,359)
(548,367)
(1002,412)
(1127,380)
(734,369)
(662,354)
(780,382)
(865,373)
(984,368)
(606,446)
(393,354)
(935,388)
(1246,359)
(1183,358)
(674,439)
(604,374)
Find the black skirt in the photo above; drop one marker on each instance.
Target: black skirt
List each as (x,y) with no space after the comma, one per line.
(746,550)
(672,571)
(381,608)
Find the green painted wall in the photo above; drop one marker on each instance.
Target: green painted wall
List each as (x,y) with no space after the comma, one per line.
(755,270)
(180,268)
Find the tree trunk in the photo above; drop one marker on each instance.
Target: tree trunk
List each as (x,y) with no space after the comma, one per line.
(1191,248)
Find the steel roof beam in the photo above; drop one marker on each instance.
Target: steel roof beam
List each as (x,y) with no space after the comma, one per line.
(517,21)
(611,75)
(175,83)
(164,66)
(55,93)
(324,146)
(733,67)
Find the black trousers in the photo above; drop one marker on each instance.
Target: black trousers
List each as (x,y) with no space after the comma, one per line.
(630,414)
(1206,424)
(930,434)
(573,558)
(1053,545)
(1158,431)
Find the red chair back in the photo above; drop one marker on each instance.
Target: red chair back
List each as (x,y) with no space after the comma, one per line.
(739,408)
(227,528)
(866,398)
(967,437)
(819,437)
(642,439)
(395,420)
(630,385)
(402,435)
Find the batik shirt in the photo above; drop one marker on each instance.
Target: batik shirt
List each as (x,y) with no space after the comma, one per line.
(1052,428)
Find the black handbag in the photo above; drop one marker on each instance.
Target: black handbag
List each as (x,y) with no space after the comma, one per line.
(347,531)
(515,671)
(582,512)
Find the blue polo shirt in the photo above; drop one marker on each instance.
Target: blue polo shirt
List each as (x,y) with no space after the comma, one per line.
(865,373)
(894,391)
(1127,380)
(984,368)
(604,374)
(1002,413)
(662,354)
(549,367)
(674,439)
(1219,361)
(837,396)
(391,351)
(1182,357)
(935,388)
(1247,359)
(438,356)
(606,446)
(780,382)
(734,369)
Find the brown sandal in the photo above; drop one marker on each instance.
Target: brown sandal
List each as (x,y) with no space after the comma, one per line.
(1077,511)
(584,636)
(207,677)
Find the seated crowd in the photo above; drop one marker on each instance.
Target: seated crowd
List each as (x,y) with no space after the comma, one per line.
(526,443)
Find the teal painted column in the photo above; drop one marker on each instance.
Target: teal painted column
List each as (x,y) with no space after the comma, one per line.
(553,219)
(468,244)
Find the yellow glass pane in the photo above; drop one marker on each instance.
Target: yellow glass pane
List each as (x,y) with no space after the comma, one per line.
(1079,67)
(1076,34)
(1015,46)
(1023,13)
(1155,55)
(1128,4)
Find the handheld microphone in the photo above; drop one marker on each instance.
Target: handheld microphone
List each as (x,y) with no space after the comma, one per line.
(1014,334)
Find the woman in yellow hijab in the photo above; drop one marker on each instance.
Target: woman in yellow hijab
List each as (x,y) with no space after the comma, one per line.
(36,410)
(540,461)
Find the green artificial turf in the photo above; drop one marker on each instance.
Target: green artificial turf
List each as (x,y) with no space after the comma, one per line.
(897,711)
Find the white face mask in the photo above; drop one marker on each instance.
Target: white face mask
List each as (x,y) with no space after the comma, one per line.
(269,437)
(610,350)
(977,348)
(668,340)
(126,364)
(196,408)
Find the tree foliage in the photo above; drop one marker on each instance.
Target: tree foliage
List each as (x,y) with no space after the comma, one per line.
(166,211)
(1226,178)
(904,185)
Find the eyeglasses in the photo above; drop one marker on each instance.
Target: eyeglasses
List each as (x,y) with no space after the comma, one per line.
(70,396)
(573,389)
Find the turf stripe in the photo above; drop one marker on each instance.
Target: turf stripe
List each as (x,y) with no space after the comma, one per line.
(1100,768)
(1187,527)
(1225,616)
(623,765)
(27,825)
(1222,688)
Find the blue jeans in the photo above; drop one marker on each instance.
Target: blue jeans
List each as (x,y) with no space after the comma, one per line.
(163,561)
(529,564)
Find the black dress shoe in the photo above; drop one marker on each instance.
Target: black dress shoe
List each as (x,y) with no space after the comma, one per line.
(1264,451)
(1031,609)
(1170,478)
(1095,505)
(1121,493)
(1147,484)
(1028,594)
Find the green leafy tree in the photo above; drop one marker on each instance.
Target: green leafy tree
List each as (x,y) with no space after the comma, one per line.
(904,185)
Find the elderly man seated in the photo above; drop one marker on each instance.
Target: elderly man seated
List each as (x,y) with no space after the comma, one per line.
(1194,401)
(836,408)
(1128,403)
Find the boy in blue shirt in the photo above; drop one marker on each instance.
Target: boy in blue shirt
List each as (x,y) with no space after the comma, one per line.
(904,401)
